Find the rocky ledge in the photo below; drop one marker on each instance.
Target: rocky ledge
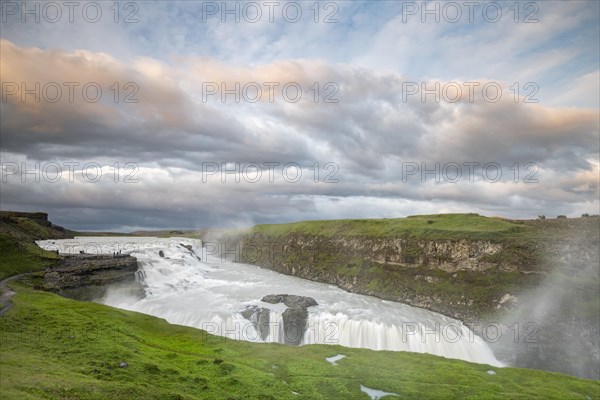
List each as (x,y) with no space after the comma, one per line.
(87,277)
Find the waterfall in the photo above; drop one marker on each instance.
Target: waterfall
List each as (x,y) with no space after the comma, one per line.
(186,287)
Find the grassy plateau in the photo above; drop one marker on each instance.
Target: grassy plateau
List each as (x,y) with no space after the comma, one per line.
(432,227)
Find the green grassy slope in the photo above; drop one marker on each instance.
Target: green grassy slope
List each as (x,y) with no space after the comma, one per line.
(18,251)
(56,348)
(18,256)
(439,226)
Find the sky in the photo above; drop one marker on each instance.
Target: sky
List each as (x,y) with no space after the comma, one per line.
(158,115)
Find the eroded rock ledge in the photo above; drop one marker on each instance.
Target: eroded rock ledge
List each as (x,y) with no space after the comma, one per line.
(87,277)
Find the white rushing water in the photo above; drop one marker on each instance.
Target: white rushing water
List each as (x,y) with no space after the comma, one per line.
(189,288)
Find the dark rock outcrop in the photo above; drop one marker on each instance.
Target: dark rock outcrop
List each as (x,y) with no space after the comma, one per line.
(187,246)
(290,300)
(31,226)
(294,324)
(87,277)
(260,318)
(295,317)
(38,217)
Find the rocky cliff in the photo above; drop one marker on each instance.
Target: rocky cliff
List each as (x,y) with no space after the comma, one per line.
(87,277)
(31,226)
(465,278)
(460,278)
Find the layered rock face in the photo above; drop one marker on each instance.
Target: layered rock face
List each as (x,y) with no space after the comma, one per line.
(87,277)
(466,279)
(423,273)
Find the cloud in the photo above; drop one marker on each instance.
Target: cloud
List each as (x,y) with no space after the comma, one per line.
(365,140)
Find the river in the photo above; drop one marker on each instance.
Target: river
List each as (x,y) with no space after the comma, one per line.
(187,287)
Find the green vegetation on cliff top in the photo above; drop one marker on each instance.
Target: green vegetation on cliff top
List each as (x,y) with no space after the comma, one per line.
(439,226)
(18,251)
(467,226)
(17,256)
(56,348)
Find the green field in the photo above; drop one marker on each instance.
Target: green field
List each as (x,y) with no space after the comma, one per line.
(439,226)
(466,226)
(56,348)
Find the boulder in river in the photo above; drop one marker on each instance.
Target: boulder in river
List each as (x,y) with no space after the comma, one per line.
(295,317)
(260,317)
(290,300)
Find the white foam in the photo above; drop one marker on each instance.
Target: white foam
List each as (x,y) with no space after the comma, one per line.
(376,394)
(193,289)
(333,360)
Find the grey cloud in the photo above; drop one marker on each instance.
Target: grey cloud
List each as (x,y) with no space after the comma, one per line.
(369,134)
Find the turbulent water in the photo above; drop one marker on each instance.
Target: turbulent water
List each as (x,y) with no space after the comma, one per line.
(187,287)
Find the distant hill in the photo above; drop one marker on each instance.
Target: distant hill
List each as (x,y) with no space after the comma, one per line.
(18,233)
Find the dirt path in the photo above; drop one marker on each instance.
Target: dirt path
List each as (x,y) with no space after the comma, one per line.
(7,293)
